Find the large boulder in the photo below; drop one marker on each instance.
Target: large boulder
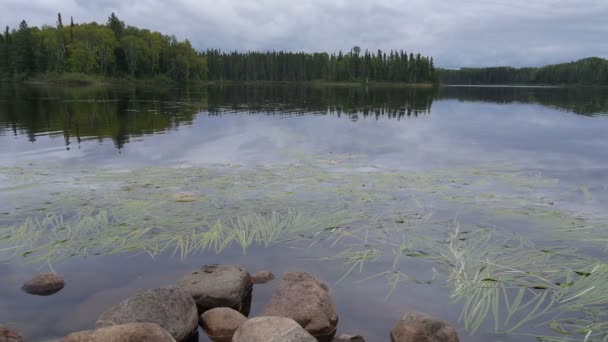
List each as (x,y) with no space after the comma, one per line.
(171,308)
(271,329)
(221,323)
(305,299)
(44,284)
(131,332)
(418,327)
(215,286)
(9,335)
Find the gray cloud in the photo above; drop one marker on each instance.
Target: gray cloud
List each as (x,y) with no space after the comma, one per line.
(456,33)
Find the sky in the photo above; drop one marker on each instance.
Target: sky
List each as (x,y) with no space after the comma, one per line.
(457,33)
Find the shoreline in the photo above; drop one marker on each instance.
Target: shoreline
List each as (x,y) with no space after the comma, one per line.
(83,80)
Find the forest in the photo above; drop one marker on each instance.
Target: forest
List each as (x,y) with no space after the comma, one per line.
(588,71)
(117,50)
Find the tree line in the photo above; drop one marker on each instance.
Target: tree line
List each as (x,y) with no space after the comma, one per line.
(355,65)
(588,71)
(114,49)
(111,49)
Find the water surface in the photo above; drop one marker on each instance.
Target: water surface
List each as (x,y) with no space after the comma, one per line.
(397,197)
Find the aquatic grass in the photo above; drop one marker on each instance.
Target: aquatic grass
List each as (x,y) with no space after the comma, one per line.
(367,216)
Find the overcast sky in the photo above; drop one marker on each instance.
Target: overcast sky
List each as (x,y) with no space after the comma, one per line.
(456,32)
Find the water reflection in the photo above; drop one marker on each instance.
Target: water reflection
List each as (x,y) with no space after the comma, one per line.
(589,101)
(124,113)
(352,102)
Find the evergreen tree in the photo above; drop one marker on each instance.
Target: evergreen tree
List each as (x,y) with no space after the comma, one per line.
(116,25)
(23,52)
(71,30)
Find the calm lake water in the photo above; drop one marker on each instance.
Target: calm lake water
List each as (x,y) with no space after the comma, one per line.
(401,199)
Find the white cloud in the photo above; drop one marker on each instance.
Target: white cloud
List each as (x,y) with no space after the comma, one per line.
(457,33)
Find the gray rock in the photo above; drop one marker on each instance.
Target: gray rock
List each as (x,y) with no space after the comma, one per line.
(305,299)
(9,335)
(221,323)
(348,338)
(44,284)
(262,277)
(216,286)
(131,332)
(418,327)
(271,329)
(171,308)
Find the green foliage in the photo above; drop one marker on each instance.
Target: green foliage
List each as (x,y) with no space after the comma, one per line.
(106,50)
(588,71)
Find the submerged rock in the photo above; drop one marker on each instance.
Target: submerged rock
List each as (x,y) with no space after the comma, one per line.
(171,308)
(271,329)
(419,327)
(348,338)
(221,323)
(9,335)
(131,332)
(305,299)
(216,286)
(44,284)
(262,277)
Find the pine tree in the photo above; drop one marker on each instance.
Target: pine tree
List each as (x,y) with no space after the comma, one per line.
(3,59)
(24,52)
(62,53)
(71,30)
(116,25)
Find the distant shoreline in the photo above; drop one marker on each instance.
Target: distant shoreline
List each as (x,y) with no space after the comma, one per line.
(84,80)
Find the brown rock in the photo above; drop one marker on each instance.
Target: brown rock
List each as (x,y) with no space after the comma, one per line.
(305,299)
(171,308)
(216,286)
(262,277)
(221,323)
(131,332)
(44,284)
(271,329)
(8,335)
(418,327)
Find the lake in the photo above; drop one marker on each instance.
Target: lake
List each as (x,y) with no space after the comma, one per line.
(481,206)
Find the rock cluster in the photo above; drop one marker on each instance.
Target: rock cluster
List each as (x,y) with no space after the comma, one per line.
(219,298)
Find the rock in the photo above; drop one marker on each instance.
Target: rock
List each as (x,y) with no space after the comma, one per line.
(171,308)
(221,323)
(216,286)
(44,284)
(8,335)
(271,329)
(305,299)
(262,277)
(131,332)
(348,338)
(418,327)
